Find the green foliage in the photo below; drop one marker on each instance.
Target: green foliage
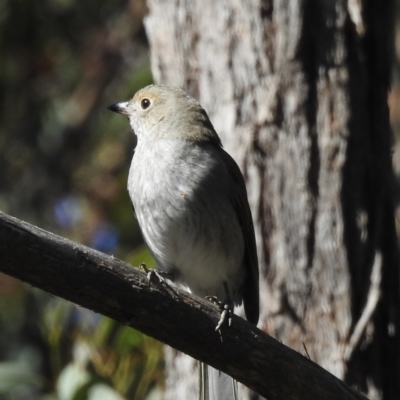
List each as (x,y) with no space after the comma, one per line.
(64,160)
(15,376)
(72,353)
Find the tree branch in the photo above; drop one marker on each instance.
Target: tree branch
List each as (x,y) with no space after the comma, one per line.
(110,287)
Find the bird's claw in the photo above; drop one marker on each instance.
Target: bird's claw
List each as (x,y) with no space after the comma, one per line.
(226,315)
(214,300)
(151,273)
(154,273)
(226,311)
(159,277)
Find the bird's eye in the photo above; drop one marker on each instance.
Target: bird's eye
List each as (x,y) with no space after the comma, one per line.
(145,103)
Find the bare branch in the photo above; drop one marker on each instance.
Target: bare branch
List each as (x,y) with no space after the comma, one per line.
(113,288)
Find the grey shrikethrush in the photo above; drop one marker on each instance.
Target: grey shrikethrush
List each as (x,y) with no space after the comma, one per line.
(190,199)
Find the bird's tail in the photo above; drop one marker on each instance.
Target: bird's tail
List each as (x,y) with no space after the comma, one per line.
(215,385)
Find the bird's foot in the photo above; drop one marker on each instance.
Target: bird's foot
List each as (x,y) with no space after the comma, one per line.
(226,308)
(153,273)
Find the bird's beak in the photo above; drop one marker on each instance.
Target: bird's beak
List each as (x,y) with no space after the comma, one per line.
(120,108)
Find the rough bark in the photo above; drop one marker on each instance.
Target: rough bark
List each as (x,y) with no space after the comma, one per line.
(297,92)
(173,316)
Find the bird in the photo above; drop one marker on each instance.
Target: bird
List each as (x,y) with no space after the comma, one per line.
(190,199)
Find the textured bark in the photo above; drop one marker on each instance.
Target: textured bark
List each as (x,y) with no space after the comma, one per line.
(297,92)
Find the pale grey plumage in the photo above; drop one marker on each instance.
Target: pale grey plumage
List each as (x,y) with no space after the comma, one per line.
(190,199)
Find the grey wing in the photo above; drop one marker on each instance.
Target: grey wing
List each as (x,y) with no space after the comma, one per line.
(241,204)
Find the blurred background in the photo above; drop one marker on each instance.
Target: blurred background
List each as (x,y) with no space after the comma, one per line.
(64,160)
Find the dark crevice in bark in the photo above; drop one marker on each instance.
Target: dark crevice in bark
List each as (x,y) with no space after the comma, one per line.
(310,62)
(378,49)
(266,9)
(358,197)
(389,309)
(289,311)
(356,191)
(367,181)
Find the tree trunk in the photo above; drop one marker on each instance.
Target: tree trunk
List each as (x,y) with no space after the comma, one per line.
(297,92)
